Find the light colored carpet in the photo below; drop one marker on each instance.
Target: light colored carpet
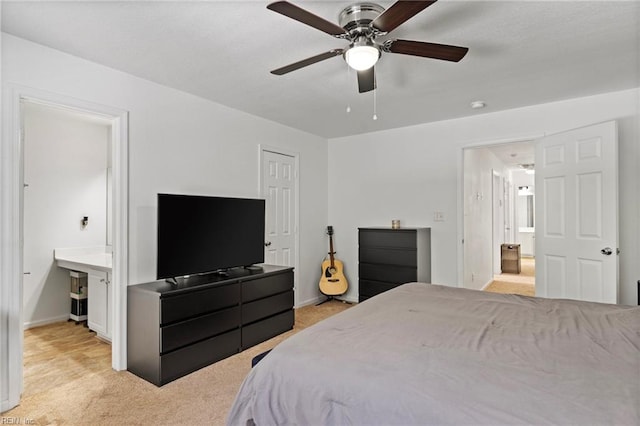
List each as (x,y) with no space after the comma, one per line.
(522,283)
(76,386)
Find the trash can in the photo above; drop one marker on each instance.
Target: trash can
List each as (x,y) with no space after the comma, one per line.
(510,258)
(79,296)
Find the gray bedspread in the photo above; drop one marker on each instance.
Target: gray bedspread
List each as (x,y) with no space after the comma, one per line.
(430,354)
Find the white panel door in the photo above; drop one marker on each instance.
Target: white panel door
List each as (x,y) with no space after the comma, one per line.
(577,214)
(279,191)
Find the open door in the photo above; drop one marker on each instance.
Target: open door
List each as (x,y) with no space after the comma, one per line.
(577,214)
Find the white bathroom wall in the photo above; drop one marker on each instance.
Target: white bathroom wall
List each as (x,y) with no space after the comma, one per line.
(65,168)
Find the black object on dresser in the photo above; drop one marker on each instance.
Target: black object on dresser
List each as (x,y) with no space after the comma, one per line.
(173,330)
(390,257)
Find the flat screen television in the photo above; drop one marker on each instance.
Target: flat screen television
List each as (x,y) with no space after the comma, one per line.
(203,234)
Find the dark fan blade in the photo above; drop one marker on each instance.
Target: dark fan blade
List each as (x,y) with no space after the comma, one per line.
(366,80)
(308,61)
(427,50)
(398,13)
(294,12)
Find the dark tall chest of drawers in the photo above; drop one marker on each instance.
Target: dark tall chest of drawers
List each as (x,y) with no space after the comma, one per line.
(390,257)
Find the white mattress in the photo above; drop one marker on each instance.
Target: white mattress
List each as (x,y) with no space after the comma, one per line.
(429,354)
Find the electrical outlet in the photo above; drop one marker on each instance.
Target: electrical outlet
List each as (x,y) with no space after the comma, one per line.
(438,216)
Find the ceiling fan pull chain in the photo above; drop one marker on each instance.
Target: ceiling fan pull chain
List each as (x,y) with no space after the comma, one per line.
(375,106)
(348,80)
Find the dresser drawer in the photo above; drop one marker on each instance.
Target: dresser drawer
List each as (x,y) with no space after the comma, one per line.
(387,273)
(387,238)
(388,256)
(186,332)
(267,286)
(266,329)
(266,307)
(371,288)
(191,358)
(177,308)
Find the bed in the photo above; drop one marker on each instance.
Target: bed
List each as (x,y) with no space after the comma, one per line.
(431,354)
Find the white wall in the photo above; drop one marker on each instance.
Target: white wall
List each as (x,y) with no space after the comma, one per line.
(409,173)
(184,144)
(65,166)
(479,164)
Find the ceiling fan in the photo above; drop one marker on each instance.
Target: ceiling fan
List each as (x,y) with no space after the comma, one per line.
(360,25)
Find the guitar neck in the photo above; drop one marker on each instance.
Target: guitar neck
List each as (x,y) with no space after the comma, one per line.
(331,252)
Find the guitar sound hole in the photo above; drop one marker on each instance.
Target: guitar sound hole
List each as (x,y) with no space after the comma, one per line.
(332,270)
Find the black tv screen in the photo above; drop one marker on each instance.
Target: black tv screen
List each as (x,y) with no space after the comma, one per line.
(199,234)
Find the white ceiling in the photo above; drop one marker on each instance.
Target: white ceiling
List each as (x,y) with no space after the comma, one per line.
(520,53)
(514,155)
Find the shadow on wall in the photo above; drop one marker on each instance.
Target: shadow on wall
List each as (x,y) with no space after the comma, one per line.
(51,290)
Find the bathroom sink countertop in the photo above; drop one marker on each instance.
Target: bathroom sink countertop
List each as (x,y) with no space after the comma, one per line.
(83,258)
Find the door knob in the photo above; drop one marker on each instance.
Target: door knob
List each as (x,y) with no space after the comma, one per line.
(606,251)
(267,244)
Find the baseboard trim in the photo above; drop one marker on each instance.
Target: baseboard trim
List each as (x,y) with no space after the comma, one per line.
(47,321)
(319,299)
(484,287)
(312,301)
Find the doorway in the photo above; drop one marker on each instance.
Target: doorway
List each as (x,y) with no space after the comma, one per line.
(492,175)
(11,222)
(65,203)
(67,191)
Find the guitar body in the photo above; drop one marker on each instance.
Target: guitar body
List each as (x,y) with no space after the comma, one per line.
(333,281)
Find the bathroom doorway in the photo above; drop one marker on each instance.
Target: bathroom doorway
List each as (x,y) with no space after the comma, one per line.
(12,215)
(67,199)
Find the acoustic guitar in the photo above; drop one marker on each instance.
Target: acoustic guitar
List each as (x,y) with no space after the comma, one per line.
(332,281)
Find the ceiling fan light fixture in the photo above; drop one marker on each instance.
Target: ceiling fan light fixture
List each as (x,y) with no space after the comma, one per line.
(362,56)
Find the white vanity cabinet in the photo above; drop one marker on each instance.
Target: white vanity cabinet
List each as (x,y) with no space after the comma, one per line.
(96,262)
(98,316)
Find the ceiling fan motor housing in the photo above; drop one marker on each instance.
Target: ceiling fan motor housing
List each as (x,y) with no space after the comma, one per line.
(355,19)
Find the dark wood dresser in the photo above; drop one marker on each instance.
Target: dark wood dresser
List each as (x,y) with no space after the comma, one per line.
(390,257)
(173,330)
